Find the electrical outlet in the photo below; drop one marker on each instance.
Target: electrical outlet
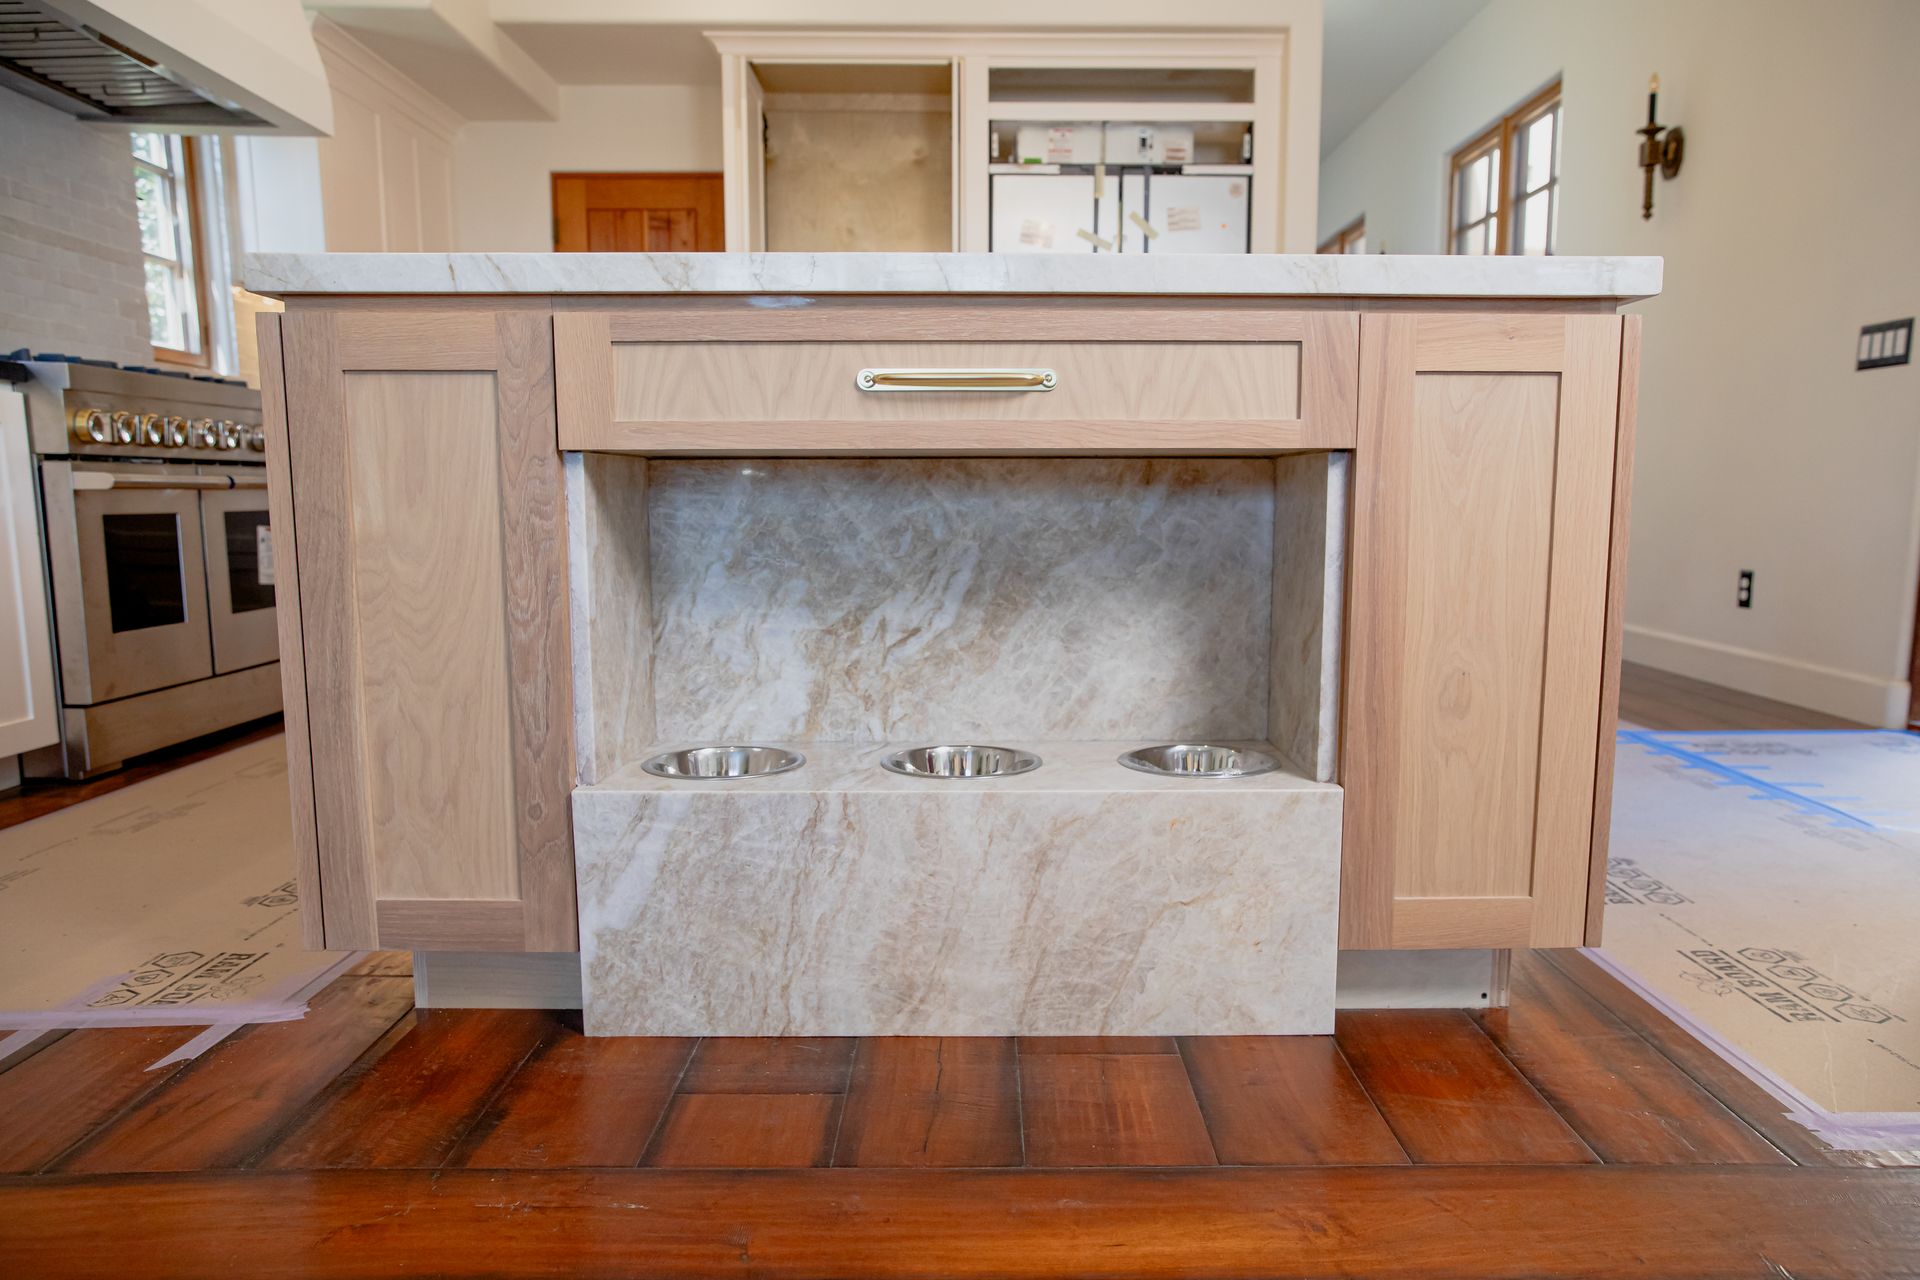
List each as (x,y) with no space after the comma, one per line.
(1744,597)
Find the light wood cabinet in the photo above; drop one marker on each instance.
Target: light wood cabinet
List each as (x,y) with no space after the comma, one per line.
(1479,612)
(418,485)
(714,377)
(418,501)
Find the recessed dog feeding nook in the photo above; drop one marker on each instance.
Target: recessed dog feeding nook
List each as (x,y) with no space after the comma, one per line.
(952,645)
(967,652)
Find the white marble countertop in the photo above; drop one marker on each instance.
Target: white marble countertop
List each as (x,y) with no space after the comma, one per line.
(802,274)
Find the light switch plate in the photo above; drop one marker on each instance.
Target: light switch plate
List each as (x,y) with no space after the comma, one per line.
(1885,344)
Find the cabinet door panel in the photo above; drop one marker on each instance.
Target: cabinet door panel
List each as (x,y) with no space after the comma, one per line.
(432,578)
(1477,622)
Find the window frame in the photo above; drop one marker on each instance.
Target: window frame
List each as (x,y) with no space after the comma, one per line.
(184,188)
(1339,242)
(1503,135)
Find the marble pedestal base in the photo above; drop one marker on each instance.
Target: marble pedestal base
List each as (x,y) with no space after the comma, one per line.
(1082,899)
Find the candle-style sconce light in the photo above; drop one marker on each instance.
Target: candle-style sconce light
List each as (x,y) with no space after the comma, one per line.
(1657,152)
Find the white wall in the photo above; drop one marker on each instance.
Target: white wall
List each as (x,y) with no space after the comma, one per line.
(71,278)
(386,174)
(502,171)
(1795,220)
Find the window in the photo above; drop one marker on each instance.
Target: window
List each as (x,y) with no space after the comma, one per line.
(1504,186)
(1351,238)
(168,208)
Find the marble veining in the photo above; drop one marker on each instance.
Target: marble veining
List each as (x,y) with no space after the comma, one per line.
(789,279)
(1310,513)
(959,598)
(945,910)
(611,604)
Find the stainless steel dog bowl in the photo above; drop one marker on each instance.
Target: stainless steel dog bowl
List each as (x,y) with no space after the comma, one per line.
(1200,760)
(961,762)
(720,763)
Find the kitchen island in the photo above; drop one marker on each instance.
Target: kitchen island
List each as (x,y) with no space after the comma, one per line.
(550,522)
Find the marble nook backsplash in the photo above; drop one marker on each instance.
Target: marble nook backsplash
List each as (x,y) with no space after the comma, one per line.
(882,599)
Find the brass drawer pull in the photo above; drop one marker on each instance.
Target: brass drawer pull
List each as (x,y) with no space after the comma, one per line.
(956,380)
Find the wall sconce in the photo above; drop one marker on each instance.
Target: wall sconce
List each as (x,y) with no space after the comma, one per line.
(1657,152)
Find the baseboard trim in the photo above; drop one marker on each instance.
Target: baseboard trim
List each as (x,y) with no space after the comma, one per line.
(1461,979)
(1882,703)
(1464,979)
(496,979)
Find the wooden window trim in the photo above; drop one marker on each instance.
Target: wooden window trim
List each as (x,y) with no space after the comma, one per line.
(1502,134)
(189,178)
(1339,240)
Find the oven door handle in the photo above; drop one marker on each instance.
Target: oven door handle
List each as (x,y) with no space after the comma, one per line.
(97,480)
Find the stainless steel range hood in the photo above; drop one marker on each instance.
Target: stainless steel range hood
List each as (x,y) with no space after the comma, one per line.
(179,65)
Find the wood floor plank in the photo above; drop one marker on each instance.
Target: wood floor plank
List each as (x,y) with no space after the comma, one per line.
(77,1085)
(1620,1094)
(1286,1100)
(932,1102)
(1451,1097)
(1745,1099)
(383,964)
(770,1064)
(747,1131)
(1596,1222)
(1684,704)
(580,1101)
(1030,1045)
(224,1106)
(67,1091)
(409,1109)
(1095,1109)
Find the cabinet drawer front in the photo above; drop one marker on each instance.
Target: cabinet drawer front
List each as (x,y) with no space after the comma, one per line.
(664,381)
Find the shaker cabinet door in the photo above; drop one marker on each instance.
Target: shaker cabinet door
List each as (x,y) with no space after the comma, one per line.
(1479,617)
(419,489)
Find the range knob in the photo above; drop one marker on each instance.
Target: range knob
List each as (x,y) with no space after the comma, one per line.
(123,426)
(92,426)
(257,439)
(200,433)
(173,432)
(146,430)
(228,435)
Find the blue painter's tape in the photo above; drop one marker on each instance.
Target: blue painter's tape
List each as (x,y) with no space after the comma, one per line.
(1732,777)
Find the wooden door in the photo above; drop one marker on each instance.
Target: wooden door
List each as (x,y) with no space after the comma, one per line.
(418,519)
(1479,617)
(638,213)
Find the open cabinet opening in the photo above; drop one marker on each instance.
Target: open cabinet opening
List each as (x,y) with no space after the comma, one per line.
(856,157)
(1033,619)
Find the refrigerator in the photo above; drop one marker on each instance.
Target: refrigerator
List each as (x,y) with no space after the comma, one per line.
(1047,212)
(1191,212)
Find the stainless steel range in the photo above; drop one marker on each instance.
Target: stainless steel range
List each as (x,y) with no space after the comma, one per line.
(154,493)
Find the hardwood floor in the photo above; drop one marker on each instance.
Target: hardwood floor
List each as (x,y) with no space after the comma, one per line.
(1661,700)
(1576,1133)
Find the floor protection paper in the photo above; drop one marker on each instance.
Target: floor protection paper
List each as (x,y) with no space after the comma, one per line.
(168,902)
(1764,887)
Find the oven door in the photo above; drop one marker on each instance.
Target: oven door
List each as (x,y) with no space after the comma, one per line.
(239,546)
(130,585)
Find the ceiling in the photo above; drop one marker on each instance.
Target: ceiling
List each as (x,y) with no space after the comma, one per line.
(613,53)
(1372,46)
